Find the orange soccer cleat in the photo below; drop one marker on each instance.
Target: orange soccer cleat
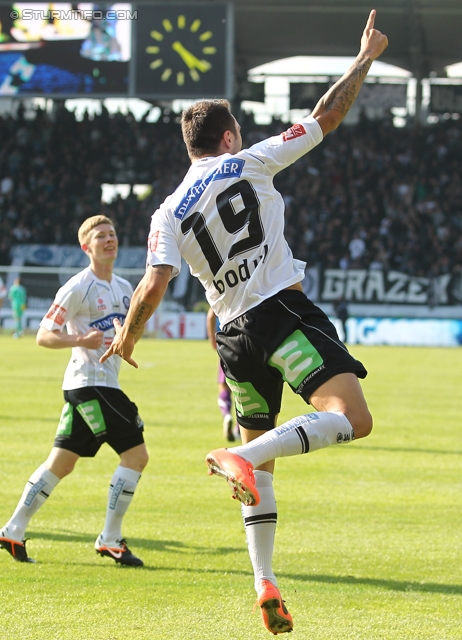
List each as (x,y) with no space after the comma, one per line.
(237,472)
(274,613)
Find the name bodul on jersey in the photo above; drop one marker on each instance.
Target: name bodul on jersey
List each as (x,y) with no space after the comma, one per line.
(232,277)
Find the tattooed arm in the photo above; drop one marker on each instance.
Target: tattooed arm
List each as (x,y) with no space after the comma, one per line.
(145,300)
(335,103)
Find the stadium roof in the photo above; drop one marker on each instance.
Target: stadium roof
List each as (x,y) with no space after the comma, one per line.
(424,35)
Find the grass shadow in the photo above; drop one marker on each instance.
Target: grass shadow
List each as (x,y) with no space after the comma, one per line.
(409,450)
(151,544)
(404,586)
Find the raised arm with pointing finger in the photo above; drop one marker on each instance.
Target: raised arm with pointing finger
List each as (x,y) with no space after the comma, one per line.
(336,102)
(226,220)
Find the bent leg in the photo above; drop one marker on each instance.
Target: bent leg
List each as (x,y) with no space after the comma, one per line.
(343,394)
(342,415)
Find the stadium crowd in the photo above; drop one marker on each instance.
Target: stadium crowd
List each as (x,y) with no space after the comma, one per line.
(371,196)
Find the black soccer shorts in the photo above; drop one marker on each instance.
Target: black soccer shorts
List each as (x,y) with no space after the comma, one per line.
(286,338)
(93,415)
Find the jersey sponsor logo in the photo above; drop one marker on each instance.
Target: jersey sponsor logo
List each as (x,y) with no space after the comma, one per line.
(57,314)
(92,415)
(228,169)
(296,358)
(294,132)
(153,241)
(107,323)
(247,399)
(232,277)
(65,421)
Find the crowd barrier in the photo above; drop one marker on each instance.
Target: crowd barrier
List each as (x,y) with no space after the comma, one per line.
(411,332)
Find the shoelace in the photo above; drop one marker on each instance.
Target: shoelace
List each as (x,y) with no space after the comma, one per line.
(123,543)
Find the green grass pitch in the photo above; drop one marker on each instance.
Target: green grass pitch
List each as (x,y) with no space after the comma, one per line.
(369,539)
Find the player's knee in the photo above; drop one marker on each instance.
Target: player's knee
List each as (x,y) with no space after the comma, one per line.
(60,468)
(136,461)
(362,424)
(67,470)
(143,461)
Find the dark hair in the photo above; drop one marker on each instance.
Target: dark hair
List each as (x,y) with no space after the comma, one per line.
(203,125)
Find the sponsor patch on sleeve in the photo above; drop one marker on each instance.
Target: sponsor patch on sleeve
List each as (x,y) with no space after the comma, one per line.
(56,314)
(294,132)
(153,241)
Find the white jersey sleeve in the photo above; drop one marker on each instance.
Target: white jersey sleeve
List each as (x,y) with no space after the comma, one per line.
(65,306)
(278,152)
(162,244)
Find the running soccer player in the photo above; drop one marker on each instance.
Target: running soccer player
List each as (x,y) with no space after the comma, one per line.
(96,410)
(227,221)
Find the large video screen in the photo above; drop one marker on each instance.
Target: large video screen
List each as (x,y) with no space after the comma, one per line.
(56,49)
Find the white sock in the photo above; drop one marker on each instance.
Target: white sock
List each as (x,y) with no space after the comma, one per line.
(303,434)
(121,490)
(260,529)
(37,489)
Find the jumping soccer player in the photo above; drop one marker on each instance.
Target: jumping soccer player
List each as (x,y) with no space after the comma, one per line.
(227,221)
(96,410)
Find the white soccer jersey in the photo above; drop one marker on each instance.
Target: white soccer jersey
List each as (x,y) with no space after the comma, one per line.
(85,302)
(227,220)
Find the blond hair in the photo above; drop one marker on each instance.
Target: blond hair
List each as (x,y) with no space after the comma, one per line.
(91,223)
